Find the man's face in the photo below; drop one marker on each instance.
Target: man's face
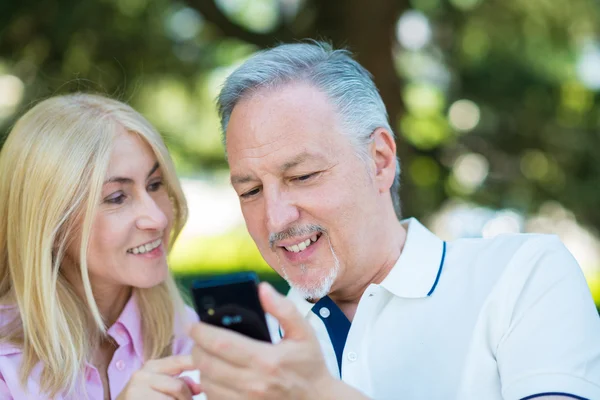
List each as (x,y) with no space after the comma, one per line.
(306,196)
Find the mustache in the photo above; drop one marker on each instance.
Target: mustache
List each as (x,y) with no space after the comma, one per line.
(294,231)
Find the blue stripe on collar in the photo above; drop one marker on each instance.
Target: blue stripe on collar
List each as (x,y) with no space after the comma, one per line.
(437,278)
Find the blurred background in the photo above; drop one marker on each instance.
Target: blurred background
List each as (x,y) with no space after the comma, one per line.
(496,103)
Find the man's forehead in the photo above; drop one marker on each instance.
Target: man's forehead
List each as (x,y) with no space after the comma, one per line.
(297,108)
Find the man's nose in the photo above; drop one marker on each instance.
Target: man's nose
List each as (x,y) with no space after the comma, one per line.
(281,211)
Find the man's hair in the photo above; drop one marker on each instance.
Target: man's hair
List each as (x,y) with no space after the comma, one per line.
(347,84)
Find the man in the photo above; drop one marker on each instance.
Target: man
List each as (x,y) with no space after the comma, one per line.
(385,305)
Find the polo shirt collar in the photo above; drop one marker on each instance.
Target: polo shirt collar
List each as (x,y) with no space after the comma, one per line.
(303,305)
(416,272)
(127,328)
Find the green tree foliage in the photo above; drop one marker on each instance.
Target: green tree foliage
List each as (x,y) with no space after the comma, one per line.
(492,108)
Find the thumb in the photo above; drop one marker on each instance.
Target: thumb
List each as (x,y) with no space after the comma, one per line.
(194,387)
(292,323)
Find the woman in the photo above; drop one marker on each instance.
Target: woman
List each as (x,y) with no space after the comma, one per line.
(89,205)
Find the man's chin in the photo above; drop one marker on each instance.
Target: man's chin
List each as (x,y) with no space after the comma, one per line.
(310,290)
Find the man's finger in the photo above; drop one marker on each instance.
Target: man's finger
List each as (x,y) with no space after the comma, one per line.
(173,365)
(216,391)
(216,371)
(292,323)
(228,345)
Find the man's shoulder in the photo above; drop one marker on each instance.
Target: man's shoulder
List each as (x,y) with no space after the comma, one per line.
(505,248)
(512,256)
(506,241)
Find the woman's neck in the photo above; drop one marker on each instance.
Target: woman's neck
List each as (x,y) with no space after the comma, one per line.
(110,298)
(111,301)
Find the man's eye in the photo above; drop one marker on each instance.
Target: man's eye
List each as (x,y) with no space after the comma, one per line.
(117,198)
(251,193)
(303,178)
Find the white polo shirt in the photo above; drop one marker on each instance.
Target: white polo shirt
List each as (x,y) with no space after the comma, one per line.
(504,318)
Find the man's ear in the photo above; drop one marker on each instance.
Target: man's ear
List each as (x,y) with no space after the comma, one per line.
(383,153)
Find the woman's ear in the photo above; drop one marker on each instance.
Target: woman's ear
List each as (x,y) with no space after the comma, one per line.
(383,153)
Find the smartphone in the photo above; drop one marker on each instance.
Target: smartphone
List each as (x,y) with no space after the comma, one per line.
(231,301)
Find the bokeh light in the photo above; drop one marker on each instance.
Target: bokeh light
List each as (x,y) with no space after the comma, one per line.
(588,66)
(413,30)
(464,115)
(470,170)
(11,94)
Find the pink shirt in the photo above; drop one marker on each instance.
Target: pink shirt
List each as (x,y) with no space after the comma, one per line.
(127,359)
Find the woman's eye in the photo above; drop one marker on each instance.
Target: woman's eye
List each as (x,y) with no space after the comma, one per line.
(155,186)
(117,198)
(251,193)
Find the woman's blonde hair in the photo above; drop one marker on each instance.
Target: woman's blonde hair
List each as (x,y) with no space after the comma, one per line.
(52,168)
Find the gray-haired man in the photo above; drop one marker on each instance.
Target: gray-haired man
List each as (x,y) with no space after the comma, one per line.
(396,313)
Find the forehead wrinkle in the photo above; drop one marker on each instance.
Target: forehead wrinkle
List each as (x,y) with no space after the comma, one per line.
(257,149)
(253,157)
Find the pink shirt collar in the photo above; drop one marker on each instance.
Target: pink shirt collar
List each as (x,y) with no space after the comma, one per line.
(128,328)
(127,359)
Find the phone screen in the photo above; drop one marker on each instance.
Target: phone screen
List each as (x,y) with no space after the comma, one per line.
(231,302)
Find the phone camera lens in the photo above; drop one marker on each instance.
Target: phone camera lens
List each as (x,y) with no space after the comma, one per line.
(208,302)
(226,320)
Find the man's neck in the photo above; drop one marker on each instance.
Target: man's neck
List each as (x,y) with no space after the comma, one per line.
(385,257)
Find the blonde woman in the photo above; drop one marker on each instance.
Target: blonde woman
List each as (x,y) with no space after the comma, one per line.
(89,206)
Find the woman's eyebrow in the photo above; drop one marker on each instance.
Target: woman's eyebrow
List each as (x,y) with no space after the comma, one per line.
(119,179)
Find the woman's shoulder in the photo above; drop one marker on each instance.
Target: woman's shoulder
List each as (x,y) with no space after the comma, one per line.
(9,320)
(10,353)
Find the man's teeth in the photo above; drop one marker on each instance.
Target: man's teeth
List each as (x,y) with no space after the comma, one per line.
(145,247)
(302,245)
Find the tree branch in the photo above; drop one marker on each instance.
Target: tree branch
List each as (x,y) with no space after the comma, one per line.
(211,12)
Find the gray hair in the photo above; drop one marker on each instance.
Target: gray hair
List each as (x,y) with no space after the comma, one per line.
(348,85)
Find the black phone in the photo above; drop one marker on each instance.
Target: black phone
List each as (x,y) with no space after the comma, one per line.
(231,301)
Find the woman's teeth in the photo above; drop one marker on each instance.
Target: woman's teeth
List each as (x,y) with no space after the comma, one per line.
(145,247)
(302,245)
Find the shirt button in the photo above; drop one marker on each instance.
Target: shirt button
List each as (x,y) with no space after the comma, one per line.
(120,331)
(352,356)
(120,365)
(324,312)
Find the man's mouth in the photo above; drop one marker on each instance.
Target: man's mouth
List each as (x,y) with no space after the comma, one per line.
(145,248)
(302,245)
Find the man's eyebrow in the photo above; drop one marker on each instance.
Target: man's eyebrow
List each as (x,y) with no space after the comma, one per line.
(240,179)
(122,180)
(299,159)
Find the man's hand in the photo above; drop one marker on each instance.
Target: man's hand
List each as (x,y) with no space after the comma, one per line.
(233,366)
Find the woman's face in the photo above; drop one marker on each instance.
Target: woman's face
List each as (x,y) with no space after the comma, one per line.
(131,228)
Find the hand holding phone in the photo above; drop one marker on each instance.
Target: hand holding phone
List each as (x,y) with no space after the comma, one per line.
(231,301)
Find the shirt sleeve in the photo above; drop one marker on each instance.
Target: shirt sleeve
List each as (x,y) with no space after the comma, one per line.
(552,344)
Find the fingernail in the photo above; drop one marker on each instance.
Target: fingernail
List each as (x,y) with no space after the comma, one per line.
(270,290)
